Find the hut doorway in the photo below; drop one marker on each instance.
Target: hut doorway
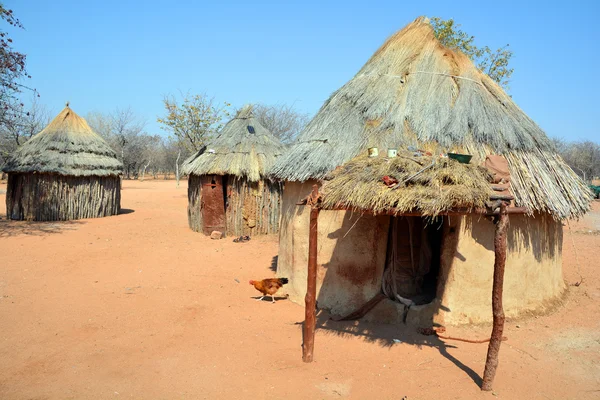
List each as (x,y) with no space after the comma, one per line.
(213,208)
(413,259)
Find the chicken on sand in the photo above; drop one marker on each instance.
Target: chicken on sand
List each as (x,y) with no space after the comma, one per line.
(269,287)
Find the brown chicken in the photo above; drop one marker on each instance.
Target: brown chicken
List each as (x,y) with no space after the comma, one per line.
(269,286)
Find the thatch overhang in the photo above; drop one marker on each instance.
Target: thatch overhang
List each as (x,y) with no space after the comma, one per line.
(416,92)
(428,186)
(67,146)
(243,148)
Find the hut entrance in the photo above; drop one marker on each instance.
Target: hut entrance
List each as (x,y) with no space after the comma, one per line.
(413,259)
(213,198)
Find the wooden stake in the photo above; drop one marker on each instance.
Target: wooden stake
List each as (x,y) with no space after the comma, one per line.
(491,363)
(308,344)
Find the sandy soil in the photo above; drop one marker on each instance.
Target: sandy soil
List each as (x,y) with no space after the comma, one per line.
(138,306)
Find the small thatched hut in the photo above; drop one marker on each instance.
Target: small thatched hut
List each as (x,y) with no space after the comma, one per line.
(65,172)
(414,93)
(228,190)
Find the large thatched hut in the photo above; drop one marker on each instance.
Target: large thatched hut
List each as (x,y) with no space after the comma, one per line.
(416,94)
(65,172)
(228,189)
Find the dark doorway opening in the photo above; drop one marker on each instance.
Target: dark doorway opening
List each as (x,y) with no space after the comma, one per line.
(225,181)
(413,258)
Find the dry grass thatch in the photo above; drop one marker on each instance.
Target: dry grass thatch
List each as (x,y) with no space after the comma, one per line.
(67,146)
(446,185)
(414,91)
(237,150)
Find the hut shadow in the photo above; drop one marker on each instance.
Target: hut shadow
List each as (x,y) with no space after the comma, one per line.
(538,234)
(387,335)
(124,211)
(10,228)
(350,279)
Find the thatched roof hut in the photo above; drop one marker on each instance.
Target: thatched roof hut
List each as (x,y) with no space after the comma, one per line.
(228,189)
(64,172)
(415,93)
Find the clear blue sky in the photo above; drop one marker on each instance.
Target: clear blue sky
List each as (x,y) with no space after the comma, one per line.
(101,55)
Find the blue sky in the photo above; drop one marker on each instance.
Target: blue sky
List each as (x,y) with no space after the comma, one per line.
(101,55)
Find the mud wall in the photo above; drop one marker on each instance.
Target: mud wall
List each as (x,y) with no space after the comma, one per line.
(351,253)
(533,279)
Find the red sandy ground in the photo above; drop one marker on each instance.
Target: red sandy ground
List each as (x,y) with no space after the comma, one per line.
(138,306)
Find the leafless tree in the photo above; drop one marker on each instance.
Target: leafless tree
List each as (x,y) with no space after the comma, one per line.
(124,132)
(582,156)
(282,120)
(23,126)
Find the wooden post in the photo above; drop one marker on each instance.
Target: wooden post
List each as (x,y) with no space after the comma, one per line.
(491,363)
(308,344)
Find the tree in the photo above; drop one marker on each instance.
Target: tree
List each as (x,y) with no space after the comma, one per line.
(493,63)
(12,71)
(22,127)
(123,131)
(583,157)
(193,120)
(282,120)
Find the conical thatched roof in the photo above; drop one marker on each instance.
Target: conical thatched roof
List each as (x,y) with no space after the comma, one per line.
(243,148)
(414,91)
(67,146)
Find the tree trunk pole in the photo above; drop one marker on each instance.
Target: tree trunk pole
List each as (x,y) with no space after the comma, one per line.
(491,363)
(177,168)
(308,344)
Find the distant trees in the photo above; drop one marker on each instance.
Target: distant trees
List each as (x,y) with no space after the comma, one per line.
(22,127)
(494,63)
(282,120)
(139,151)
(583,157)
(192,120)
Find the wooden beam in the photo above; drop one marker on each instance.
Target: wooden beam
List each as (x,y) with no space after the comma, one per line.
(308,344)
(499,188)
(453,212)
(491,363)
(506,197)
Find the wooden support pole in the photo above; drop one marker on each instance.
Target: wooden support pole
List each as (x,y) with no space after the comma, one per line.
(308,344)
(491,363)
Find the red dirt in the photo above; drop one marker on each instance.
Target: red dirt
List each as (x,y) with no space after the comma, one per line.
(139,306)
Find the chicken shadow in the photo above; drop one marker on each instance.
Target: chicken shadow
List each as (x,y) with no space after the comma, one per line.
(268,298)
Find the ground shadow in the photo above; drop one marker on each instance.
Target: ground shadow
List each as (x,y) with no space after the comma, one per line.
(9,228)
(126,211)
(351,278)
(388,335)
(268,298)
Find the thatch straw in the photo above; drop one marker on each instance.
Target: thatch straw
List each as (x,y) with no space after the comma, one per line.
(237,151)
(446,186)
(414,91)
(67,146)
